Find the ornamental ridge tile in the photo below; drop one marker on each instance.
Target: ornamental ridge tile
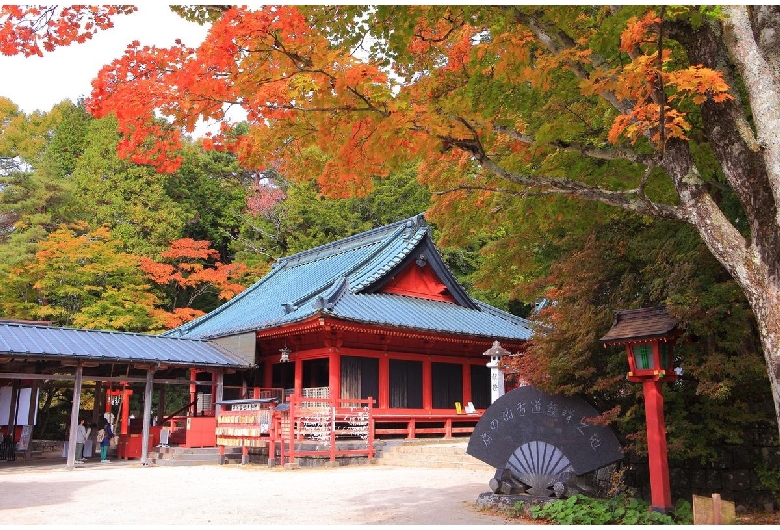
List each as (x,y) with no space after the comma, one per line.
(372,274)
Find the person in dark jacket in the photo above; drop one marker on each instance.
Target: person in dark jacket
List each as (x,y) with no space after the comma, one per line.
(105,440)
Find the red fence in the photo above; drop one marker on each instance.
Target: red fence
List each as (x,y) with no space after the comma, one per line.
(328,420)
(304,427)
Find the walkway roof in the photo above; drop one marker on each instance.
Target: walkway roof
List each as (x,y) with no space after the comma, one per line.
(23,342)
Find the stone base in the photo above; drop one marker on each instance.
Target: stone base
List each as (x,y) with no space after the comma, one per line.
(505,503)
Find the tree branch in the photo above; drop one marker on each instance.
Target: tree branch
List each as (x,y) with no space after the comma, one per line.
(555,42)
(762,85)
(612,153)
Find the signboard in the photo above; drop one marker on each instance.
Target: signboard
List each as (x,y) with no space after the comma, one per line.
(245,406)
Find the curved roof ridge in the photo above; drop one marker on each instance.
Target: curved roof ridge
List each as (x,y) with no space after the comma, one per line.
(371,275)
(227,305)
(355,267)
(356,240)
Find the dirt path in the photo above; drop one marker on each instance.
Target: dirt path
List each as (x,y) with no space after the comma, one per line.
(128,493)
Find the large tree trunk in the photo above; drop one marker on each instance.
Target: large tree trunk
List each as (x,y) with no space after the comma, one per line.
(748,149)
(766,307)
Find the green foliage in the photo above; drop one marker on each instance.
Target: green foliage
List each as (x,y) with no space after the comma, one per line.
(200,14)
(769,476)
(129,199)
(31,200)
(211,188)
(303,218)
(63,169)
(517,509)
(627,262)
(80,278)
(580,509)
(68,141)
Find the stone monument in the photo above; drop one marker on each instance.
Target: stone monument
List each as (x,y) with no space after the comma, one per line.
(540,443)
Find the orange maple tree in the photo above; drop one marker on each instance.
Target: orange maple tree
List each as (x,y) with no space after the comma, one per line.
(188,270)
(615,104)
(318,109)
(80,277)
(25,29)
(323,112)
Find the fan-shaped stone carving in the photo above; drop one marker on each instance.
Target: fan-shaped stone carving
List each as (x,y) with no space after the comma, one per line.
(539,466)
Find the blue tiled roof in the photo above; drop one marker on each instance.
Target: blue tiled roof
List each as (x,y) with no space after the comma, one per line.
(33,341)
(420,314)
(336,279)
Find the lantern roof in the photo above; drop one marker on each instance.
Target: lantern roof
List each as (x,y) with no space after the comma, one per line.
(641,324)
(496,350)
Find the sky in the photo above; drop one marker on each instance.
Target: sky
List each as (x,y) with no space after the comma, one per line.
(39,83)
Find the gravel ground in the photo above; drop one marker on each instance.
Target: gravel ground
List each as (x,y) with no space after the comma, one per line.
(127,493)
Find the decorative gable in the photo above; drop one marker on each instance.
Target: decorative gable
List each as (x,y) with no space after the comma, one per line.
(419,280)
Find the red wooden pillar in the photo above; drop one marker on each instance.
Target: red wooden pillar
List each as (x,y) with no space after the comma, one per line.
(383,400)
(268,373)
(660,492)
(334,373)
(126,393)
(466,383)
(193,392)
(427,381)
(298,377)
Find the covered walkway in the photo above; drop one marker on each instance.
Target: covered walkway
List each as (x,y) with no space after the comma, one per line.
(31,353)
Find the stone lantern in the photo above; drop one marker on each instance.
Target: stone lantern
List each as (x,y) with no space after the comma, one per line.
(649,335)
(496,353)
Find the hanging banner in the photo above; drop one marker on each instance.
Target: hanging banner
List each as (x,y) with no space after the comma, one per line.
(22,406)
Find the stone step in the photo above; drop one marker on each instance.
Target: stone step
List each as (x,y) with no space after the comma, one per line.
(193,456)
(429,454)
(174,462)
(426,449)
(434,463)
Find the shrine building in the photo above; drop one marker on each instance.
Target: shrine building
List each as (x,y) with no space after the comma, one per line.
(375,315)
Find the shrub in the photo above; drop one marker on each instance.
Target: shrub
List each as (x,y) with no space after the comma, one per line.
(580,509)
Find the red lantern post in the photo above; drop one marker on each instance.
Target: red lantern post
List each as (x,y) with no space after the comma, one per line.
(649,336)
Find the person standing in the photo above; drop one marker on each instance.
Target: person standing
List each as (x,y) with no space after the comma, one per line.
(89,445)
(81,438)
(104,439)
